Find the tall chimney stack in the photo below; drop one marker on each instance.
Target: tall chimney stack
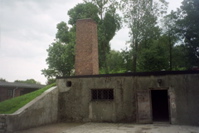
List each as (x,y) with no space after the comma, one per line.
(86,49)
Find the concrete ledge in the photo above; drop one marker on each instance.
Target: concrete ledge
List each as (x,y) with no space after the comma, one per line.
(42,110)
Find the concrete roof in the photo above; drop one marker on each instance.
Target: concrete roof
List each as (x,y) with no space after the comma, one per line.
(20,85)
(158,73)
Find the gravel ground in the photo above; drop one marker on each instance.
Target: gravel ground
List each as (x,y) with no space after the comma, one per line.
(111,128)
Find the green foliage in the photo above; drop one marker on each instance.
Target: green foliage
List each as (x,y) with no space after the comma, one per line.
(153,58)
(152,48)
(188,29)
(63,34)
(51,81)
(60,60)
(106,31)
(82,11)
(115,62)
(179,57)
(127,56)
(12,105)
(29,81)
(108,22)
(141,17)
(2,80)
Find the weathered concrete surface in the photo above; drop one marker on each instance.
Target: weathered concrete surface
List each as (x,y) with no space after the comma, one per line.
(40,111)
(75,103)
(111,128)
(51,128)
(3,125)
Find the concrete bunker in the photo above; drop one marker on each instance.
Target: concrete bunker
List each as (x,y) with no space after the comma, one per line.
(128,97)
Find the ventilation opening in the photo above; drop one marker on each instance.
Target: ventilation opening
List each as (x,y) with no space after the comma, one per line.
(68,83)
(160,107)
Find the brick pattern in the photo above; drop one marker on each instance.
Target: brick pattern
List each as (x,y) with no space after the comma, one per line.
(8,92)
(86,50)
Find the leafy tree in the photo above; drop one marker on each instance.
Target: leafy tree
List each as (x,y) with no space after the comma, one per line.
(60,58)
(115,62)
(2,80)
(63,34)
(51,81)
(153,58)
(127,56)
(29,81)
(83,11)
(109,22)
(141,17)
(179,57)
(170,35)
(188,26)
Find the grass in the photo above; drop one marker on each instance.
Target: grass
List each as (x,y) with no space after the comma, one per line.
(12,105)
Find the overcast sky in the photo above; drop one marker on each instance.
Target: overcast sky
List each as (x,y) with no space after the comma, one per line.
(28,27)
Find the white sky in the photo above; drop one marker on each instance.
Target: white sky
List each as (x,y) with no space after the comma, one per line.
(28,27)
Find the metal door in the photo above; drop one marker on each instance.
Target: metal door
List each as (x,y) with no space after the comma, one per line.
(144,113)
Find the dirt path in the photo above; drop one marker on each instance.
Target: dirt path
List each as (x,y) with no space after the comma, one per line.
(111,128)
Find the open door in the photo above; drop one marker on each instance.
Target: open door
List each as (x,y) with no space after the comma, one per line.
(144,114)
(160,105)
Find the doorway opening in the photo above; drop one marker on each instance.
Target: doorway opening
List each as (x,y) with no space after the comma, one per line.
(160,106)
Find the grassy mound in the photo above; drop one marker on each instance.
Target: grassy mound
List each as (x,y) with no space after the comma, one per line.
(12,105)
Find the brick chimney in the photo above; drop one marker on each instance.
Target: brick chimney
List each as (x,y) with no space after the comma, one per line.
(86,49)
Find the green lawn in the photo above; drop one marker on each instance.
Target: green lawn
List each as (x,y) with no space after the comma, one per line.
(12,105)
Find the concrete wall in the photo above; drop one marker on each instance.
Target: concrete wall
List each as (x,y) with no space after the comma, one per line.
(40,111)
(75,102)
(3,125)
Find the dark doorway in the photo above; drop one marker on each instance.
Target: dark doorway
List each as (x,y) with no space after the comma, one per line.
(160,107)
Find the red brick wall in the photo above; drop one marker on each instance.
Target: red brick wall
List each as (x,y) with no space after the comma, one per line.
(5,94)
(86,50)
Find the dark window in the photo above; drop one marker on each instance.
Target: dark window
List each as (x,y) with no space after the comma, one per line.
(68,83)
(10,92)
(102,94)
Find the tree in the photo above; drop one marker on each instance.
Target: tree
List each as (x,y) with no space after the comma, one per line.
(29,81)
(188,27)
(109,22)
(179,57)
(63,34)
(83,11)
(142,21)
(115,62)
(153,58)
(170,34)
(60,58)
(2,80)
(127,55)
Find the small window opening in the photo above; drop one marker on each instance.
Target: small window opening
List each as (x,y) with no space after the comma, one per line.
(68,83)
(102,94)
